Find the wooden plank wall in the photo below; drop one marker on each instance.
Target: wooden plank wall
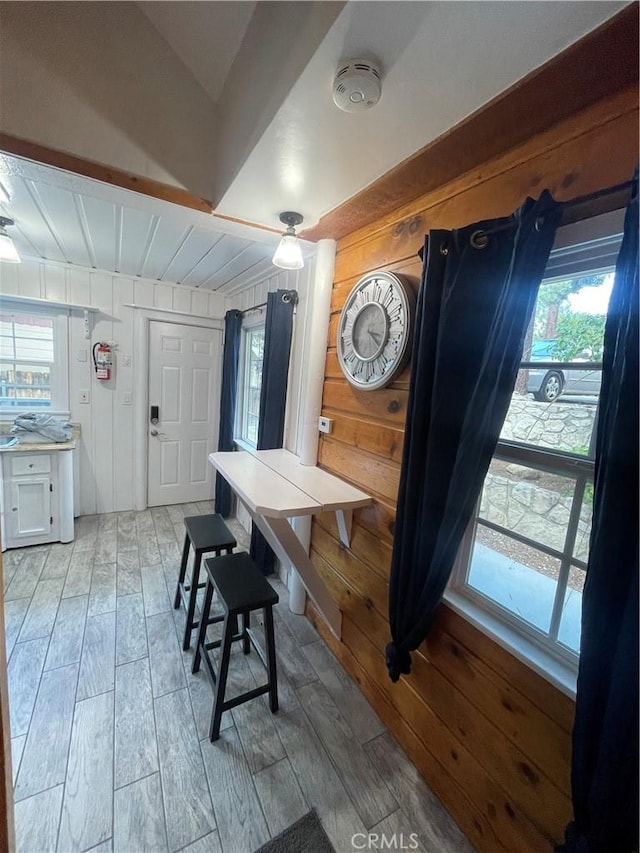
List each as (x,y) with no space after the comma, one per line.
(490,736)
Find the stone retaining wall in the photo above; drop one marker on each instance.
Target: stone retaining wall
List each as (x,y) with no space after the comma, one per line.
(564,426)
(539,514)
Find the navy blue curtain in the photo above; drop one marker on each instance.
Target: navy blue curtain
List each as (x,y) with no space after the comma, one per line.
(477,296)
(604,772)
(232,329)
(273,396)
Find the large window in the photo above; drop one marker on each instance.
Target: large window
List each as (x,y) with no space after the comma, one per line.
(524,560)
(33,361)
(252,354)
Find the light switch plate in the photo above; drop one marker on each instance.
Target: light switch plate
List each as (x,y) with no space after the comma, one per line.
(84,396)
(325,424)
(127,398)
(81,355)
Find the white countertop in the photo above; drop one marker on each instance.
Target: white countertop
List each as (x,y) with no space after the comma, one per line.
(28,445)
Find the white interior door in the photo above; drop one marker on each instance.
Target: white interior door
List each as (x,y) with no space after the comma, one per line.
(184,378)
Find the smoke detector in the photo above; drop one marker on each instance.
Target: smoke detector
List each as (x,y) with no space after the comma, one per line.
(357,86)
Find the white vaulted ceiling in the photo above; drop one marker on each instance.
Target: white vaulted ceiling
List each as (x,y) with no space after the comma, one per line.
(255,81)
(70,219)
(440,62)
(205,35)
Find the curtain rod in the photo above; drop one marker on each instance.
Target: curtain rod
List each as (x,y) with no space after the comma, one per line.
(287,296)
(255,308)
(479,238)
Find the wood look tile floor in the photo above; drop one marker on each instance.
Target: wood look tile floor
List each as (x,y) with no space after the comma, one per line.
(109,727)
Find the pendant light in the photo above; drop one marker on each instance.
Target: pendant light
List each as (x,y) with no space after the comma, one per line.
(8,251)
(288,255)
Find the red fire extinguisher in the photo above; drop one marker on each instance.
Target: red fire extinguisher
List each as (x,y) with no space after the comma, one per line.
(102,360)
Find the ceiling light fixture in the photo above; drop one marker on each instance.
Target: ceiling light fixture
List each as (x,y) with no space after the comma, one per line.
(7,249)
(288,255)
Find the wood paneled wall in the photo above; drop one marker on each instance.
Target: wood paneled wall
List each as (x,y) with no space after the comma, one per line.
(490,736)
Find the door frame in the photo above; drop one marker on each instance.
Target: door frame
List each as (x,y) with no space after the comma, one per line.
(142,318)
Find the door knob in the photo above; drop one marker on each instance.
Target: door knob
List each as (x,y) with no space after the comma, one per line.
(154,433)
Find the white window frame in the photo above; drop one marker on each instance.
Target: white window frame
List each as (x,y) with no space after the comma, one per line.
(552,660)
(541,651)
(255,324)
(60,365)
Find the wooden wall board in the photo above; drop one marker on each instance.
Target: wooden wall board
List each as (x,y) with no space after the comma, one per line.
(383,441)
(573,126)
(511,738)
(539,691)
(476,721)
(374,475)
(389,404)
(562,165)
(364,545)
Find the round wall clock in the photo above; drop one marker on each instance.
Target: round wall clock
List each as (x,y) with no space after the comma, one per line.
(374,332)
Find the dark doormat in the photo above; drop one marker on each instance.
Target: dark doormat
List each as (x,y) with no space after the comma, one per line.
(306,835)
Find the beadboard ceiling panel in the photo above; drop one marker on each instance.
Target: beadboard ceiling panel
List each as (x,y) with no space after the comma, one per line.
(136,225)
(71,219)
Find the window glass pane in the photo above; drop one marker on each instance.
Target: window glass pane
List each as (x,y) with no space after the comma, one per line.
(27,352)
(515,576)
(253,401)
(31,348)
(568,321)
(252,429)
(533,503)
(253,356)
(23,385)
(583,533)
(6,347)
(571,620)
(556,406)
(565,423)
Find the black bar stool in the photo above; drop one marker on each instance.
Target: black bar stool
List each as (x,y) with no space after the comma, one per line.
(205,533)
(242,589)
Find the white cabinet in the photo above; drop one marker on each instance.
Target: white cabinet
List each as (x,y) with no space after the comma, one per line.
(30,510)
(37,498)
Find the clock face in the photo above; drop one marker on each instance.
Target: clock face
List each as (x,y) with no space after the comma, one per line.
(374,330)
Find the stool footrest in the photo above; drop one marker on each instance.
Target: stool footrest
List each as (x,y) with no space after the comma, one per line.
(245,697)
(215,644)
(185,589)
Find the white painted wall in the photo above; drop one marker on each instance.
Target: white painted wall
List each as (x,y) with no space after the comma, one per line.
(107,424)
(98,81)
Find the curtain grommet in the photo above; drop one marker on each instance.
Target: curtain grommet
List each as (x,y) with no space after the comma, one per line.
(479,240)
(444,250)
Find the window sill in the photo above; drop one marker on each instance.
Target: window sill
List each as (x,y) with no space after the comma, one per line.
(7,416)
(561,675)
(241,444)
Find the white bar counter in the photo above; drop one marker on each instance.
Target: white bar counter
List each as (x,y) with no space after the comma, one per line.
(274,486)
